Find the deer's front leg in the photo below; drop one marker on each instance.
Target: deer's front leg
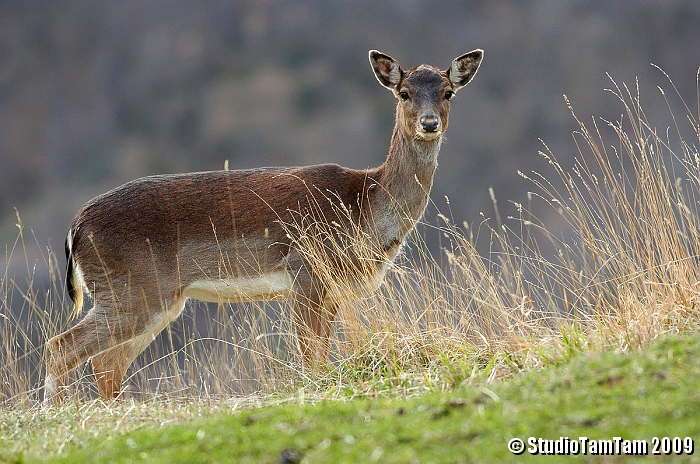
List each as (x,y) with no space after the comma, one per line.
(313,316)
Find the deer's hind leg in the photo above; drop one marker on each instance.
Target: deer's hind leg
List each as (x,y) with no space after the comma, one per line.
(110,366)
(113,336)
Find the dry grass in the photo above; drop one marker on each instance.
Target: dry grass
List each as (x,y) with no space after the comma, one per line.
(624,273)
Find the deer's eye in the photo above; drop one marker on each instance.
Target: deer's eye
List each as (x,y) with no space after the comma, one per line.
(449,94)
(404,96)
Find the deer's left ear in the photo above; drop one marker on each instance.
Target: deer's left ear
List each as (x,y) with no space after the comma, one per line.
(463,68)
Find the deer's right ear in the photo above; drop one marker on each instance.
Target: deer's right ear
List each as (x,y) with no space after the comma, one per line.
(387,69)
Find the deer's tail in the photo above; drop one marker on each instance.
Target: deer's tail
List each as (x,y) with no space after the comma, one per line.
(74,281)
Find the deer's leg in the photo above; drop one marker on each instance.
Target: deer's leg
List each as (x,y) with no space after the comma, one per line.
(65,351)
(103,329)
(313,317)
(110,366)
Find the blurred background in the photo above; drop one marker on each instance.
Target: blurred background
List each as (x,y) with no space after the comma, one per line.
(96,93)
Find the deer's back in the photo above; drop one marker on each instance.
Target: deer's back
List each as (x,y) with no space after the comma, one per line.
(154,221)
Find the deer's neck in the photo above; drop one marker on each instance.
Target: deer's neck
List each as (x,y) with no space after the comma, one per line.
(406,177)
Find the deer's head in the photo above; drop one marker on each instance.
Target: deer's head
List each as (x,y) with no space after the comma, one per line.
(424,92)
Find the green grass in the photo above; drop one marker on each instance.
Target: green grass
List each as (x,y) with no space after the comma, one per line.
(654,392)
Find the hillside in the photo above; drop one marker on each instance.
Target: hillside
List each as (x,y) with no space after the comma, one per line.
(646,395)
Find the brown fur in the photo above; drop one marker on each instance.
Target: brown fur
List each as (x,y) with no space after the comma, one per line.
(143,248)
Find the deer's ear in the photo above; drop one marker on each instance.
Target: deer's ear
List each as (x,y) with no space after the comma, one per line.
(387,69)
(463,68)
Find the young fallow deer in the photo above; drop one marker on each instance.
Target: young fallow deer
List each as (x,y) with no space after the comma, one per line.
(142,249)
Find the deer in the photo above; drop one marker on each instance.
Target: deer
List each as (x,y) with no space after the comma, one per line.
(141,250)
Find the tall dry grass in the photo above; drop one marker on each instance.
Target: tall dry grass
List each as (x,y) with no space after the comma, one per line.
(624,271)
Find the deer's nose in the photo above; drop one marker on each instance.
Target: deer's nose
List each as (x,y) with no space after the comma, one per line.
(429,123)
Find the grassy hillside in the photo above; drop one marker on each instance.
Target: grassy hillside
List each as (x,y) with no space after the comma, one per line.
(588,333)
(641,395)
